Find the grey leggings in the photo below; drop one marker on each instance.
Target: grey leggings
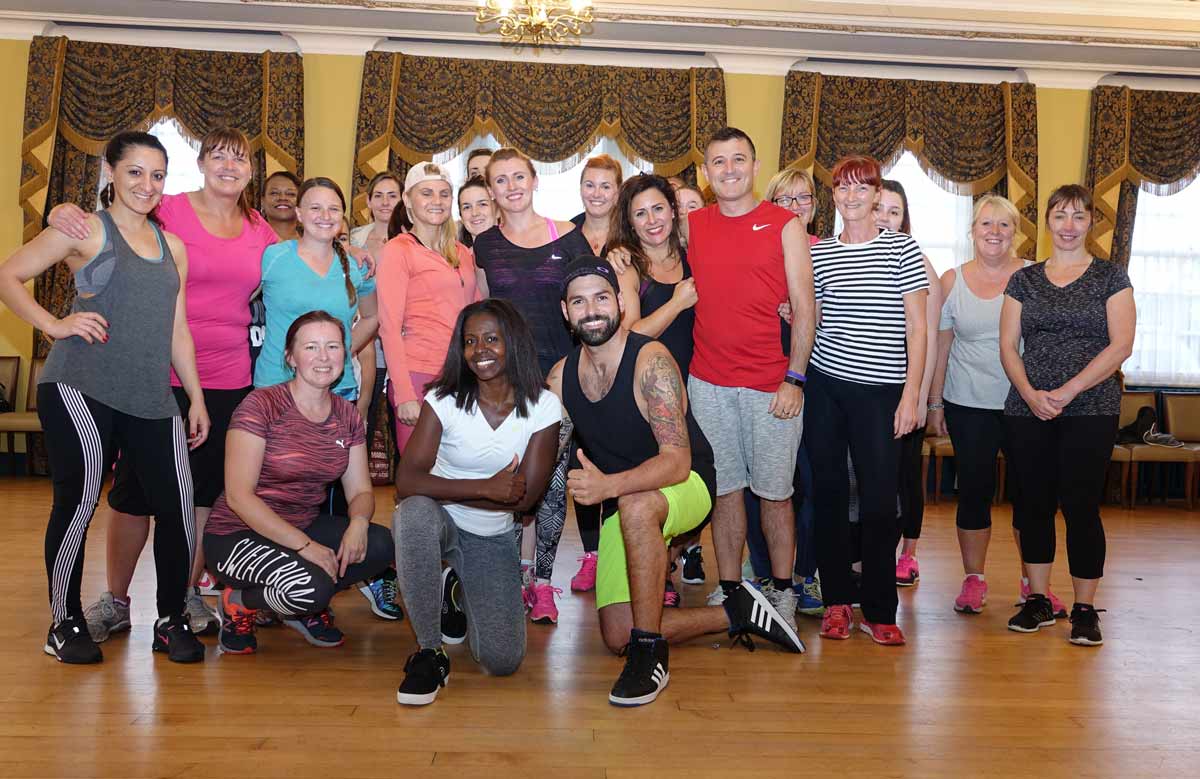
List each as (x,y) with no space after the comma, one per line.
(489,567)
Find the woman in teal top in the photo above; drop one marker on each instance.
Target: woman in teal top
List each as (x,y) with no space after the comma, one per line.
(314,273)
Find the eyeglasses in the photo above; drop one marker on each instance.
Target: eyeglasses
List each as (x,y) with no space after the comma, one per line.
(786,201)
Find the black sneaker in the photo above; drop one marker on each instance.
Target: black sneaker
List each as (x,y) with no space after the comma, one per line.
(693,565)
(1085,625)
(174,636)
(751,613)
(454,619)
(69,642)
(646,670)
(426,671)
(1035,613)
(237,626)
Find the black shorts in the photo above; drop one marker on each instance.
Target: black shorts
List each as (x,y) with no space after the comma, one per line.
(207,460)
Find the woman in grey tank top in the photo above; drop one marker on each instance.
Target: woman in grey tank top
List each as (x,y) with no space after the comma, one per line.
(106,387)
(966,399)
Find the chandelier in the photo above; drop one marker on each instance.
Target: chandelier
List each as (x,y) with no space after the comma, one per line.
(536,21)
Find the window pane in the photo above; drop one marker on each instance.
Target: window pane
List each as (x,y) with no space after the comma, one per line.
(1164,267)
(182,152)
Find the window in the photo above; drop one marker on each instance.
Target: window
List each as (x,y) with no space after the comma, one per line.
(941,220)
(557,195)
(182,152)
(1164,267)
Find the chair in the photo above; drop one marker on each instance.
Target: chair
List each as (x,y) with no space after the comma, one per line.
(1145,453)
(26,421)
(10,372)
(1181,415)
(1122,454)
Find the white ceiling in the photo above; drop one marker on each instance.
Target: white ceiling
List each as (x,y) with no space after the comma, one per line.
(1074,43)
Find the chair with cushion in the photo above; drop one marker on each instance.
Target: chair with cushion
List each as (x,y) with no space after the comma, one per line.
(1181,418)
(1142,453)
(25,422)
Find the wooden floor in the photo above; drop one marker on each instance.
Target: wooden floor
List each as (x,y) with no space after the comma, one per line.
(965,698)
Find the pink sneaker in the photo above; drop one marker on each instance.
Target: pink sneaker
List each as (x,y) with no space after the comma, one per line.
(836,623)
(973,595)
(543,609)
(1060,608)
(585,580)
(888,635)
(907,572)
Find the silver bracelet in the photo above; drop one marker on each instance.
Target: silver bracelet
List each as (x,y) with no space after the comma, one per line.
(935,406)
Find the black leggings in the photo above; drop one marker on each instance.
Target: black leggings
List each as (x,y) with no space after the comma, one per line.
(1062,462)
(274,577)
(978,436)
(911,496)
(839,416)
(82,438)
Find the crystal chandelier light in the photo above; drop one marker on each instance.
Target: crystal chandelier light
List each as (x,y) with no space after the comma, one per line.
(536,21)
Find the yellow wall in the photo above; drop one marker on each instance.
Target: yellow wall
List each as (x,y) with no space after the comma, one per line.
(1063,119)
(755,105)
(16,337)
(331,87)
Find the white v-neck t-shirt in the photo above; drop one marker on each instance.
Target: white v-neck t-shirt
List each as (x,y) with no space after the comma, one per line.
(471,449)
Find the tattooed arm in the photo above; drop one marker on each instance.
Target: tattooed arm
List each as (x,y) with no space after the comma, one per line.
(662,399)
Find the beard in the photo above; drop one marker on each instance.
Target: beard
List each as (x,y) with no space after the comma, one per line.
(596,337)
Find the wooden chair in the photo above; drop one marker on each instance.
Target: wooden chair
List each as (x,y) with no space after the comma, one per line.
(25,422)
(1181,416)
(1145,453)
(10,373)
(1123,454)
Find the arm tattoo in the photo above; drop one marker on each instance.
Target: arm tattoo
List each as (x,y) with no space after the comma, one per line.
(663,392)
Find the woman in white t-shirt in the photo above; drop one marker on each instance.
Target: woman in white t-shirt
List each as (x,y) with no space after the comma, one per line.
(483,448)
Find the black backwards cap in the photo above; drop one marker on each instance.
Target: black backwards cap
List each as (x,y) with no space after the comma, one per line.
(589,265)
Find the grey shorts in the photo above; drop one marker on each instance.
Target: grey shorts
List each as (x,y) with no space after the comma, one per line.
(752,447)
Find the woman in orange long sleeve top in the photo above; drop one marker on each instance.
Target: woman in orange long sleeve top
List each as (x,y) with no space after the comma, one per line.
(425,278)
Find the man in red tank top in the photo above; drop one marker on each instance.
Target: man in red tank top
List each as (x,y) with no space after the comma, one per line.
(747,258)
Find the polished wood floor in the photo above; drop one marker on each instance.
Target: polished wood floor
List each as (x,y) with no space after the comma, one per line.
(965,698)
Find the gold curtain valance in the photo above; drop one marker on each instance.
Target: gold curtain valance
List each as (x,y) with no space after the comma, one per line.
(81,94)
(1140,140)
(412,108)
(969,138)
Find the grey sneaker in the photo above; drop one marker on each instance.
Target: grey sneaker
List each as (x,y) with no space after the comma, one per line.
(201,618)
(105,617)
(716,597)
(784,602)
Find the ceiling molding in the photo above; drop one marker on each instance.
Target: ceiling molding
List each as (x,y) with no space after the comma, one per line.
(1052,78)
(757,64)
(332,43)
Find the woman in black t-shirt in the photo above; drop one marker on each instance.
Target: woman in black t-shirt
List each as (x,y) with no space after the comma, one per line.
(1076,316)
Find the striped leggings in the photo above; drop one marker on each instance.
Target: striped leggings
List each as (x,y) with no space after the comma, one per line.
(83,437)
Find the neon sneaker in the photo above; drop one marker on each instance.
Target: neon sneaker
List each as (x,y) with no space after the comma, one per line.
(808,593)
(237,627)
(670,596)
(888,635)
(381,592)
(836,622)
(907,572)
(318,629)
(585,580)
(543,610)
(208,585)
(1060,608)
(973,596)
(105,617)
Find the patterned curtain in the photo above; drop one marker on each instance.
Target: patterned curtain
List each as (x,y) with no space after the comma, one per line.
(969,138)
(80,94)
(1140,140)
(412,108)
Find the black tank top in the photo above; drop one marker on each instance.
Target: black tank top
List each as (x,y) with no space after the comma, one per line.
(614,434)
(677,337)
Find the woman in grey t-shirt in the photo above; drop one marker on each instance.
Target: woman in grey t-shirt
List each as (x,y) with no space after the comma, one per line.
(1076,316)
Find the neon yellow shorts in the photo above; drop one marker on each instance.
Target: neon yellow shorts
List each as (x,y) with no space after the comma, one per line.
(688,503)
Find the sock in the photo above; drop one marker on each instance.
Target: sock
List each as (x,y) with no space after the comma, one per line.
(122,601)
(978,576)
(539,580)
(636,635)
(526,564)
(690,547)
(729,586)
(781,583)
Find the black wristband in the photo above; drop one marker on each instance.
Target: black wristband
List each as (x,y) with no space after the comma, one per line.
(794,381)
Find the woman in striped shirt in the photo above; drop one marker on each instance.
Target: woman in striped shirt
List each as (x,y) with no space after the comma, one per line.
(863,393)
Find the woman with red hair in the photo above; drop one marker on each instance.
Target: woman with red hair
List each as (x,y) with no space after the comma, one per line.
(863,389)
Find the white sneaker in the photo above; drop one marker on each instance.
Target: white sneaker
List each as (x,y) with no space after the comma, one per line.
(716,597)
(208,585)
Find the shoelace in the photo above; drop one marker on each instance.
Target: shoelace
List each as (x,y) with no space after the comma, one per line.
(243,622)
(323,618)
(670,598)
(742,637)
(387,588)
